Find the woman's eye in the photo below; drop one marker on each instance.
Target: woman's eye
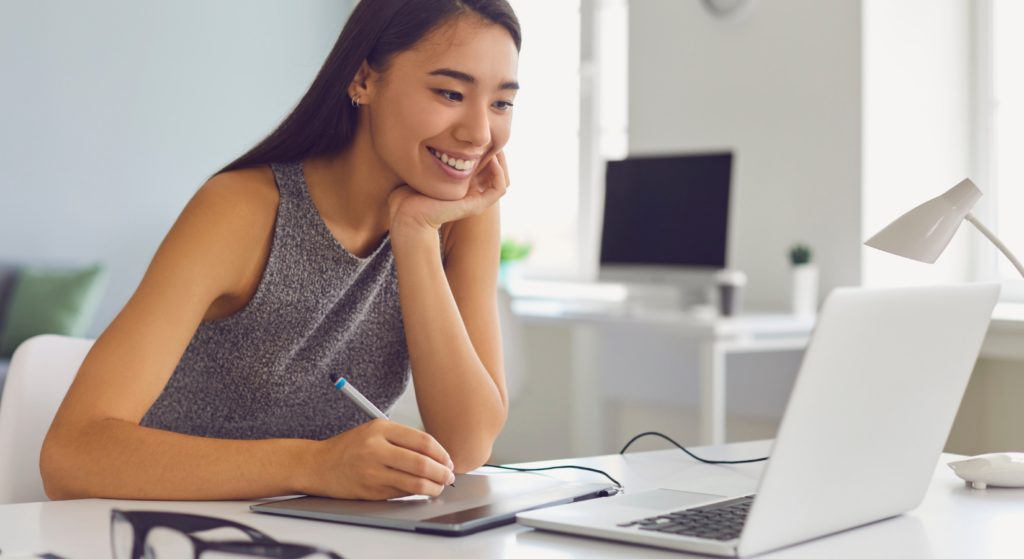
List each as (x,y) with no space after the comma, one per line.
(450,95)
(503,105)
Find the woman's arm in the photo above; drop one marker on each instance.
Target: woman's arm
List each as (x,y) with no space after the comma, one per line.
(208,267)
(451,324)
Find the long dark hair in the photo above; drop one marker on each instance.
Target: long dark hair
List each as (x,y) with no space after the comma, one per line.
(324,121)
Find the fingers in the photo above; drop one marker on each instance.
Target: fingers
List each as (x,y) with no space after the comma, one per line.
(504,167)
(418,441)
(500,173)
(497,165)
(498,181)
(420,466)
(499,186)
(412,485)
(379,460)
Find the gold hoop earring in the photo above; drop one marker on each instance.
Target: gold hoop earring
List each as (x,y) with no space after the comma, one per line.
(355,101)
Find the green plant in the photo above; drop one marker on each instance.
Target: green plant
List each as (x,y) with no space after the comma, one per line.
(799,254)
(512,250)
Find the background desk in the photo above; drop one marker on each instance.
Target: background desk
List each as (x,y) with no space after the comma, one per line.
(953,521)
(716,336)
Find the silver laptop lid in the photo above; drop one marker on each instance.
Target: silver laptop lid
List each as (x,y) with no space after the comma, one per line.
(872,407)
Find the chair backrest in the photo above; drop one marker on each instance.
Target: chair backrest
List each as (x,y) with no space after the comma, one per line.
(39,376)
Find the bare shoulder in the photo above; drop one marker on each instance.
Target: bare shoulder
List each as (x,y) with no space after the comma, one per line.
(233,211)
(247,193)
(223,236)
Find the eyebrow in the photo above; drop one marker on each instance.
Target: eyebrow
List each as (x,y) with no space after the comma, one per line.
(464,77)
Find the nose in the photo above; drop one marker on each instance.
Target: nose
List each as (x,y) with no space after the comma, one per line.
(474,127)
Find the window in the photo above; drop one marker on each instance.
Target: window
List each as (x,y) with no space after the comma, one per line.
(570,117)
(1006,113)
(543,153)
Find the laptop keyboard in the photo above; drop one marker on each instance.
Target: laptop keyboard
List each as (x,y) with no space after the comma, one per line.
(721,521)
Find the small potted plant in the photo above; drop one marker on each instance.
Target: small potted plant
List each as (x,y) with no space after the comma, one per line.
(512,254)
(804,300)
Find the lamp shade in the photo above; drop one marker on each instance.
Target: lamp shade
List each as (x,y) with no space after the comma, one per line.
(923,233)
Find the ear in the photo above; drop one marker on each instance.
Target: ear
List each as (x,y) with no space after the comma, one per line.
(364,84)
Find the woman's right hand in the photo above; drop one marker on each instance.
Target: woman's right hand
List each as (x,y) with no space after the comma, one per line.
(379,460)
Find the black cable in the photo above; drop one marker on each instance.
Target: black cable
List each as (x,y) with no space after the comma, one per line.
(595,470)
(623,451)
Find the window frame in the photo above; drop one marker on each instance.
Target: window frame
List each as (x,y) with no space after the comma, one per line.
(986,257)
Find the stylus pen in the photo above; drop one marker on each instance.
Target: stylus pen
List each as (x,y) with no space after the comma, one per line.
(367,406)
(358,399)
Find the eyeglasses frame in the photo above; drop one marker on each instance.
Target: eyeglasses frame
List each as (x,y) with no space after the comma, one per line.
(261,545)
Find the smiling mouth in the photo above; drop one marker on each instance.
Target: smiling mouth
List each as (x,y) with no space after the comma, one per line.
(457,164)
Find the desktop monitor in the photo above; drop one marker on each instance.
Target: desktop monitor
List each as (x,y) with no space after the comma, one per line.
(666,220)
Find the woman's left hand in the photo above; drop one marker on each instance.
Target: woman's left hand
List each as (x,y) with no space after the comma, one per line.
(410,208)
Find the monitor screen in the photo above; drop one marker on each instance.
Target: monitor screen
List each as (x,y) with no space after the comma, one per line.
(667,211)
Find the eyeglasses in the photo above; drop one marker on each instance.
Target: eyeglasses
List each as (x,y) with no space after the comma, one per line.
(168,535)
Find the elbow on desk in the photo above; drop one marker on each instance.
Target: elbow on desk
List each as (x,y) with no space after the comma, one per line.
(472,455)
(68,462)
(470,459)
(54,470)
(467,441)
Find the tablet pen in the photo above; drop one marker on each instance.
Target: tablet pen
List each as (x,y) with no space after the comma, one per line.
(358,399)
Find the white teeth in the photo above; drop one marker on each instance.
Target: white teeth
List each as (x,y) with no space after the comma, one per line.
(459,164)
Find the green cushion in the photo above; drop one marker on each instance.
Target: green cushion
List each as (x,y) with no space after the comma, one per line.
(48,301)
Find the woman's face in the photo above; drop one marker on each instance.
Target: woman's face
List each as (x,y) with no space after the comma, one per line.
(444,107)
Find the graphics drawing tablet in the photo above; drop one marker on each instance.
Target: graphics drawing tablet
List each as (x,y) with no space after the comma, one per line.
(477,502)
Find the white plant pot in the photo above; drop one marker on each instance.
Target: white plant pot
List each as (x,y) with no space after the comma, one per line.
(805,289)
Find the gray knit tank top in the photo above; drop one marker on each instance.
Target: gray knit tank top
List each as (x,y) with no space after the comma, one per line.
(262,372)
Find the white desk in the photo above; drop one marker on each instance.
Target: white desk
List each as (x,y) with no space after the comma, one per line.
(954,521)
(717,337)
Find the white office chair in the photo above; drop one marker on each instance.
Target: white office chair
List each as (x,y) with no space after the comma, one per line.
(40,374)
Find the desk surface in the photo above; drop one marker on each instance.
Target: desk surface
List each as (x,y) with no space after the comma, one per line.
(640,304)
(953,521)
(686,323)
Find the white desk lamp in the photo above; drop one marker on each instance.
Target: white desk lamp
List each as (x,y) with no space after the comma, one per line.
(923,233)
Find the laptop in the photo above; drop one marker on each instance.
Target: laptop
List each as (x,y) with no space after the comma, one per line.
(869,414)
(476,502)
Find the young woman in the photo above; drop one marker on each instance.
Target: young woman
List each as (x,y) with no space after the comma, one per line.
(360,238)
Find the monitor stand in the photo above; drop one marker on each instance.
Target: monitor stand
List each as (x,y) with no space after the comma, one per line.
(657,286)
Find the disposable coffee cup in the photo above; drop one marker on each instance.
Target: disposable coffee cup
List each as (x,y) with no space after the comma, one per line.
(730,285)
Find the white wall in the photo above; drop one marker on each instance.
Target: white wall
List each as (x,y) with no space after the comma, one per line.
(113,112)
(780,86)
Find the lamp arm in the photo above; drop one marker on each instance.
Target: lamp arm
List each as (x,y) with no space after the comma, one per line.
(995,240)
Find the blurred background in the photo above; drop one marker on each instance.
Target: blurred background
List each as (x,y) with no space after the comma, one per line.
(836,118)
